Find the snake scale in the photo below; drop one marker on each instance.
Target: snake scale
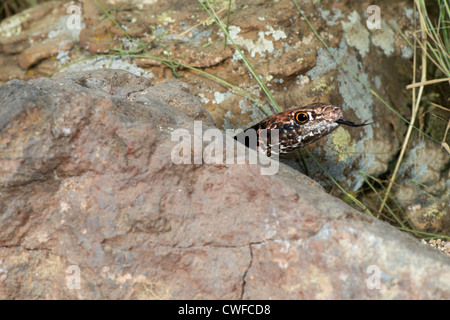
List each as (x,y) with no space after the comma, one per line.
(296,128)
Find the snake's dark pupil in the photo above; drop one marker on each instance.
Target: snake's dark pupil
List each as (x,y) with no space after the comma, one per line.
(302,117)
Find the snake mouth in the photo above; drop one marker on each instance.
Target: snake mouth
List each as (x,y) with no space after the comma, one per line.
(352,124)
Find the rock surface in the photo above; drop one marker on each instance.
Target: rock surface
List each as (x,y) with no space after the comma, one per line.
(87,181)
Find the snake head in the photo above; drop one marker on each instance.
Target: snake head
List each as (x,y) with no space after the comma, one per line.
(298,127)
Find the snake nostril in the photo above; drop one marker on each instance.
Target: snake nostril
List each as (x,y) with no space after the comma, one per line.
(280,125)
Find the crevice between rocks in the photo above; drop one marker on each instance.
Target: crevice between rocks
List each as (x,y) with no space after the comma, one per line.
(244,282)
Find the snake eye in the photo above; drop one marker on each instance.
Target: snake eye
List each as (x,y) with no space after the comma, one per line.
(301,117)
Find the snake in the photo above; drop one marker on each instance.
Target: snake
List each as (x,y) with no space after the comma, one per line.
(296,128)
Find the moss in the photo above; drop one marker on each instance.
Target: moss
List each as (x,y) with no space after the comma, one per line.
(165,18)
(342,142)
(356,34)
(323,86)
(435,211)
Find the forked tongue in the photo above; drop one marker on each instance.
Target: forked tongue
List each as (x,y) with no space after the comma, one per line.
(352,124)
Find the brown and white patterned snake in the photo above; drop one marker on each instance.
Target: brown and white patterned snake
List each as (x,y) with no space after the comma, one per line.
(296,128)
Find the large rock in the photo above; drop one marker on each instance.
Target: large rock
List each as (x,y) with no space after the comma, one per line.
(87,181)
